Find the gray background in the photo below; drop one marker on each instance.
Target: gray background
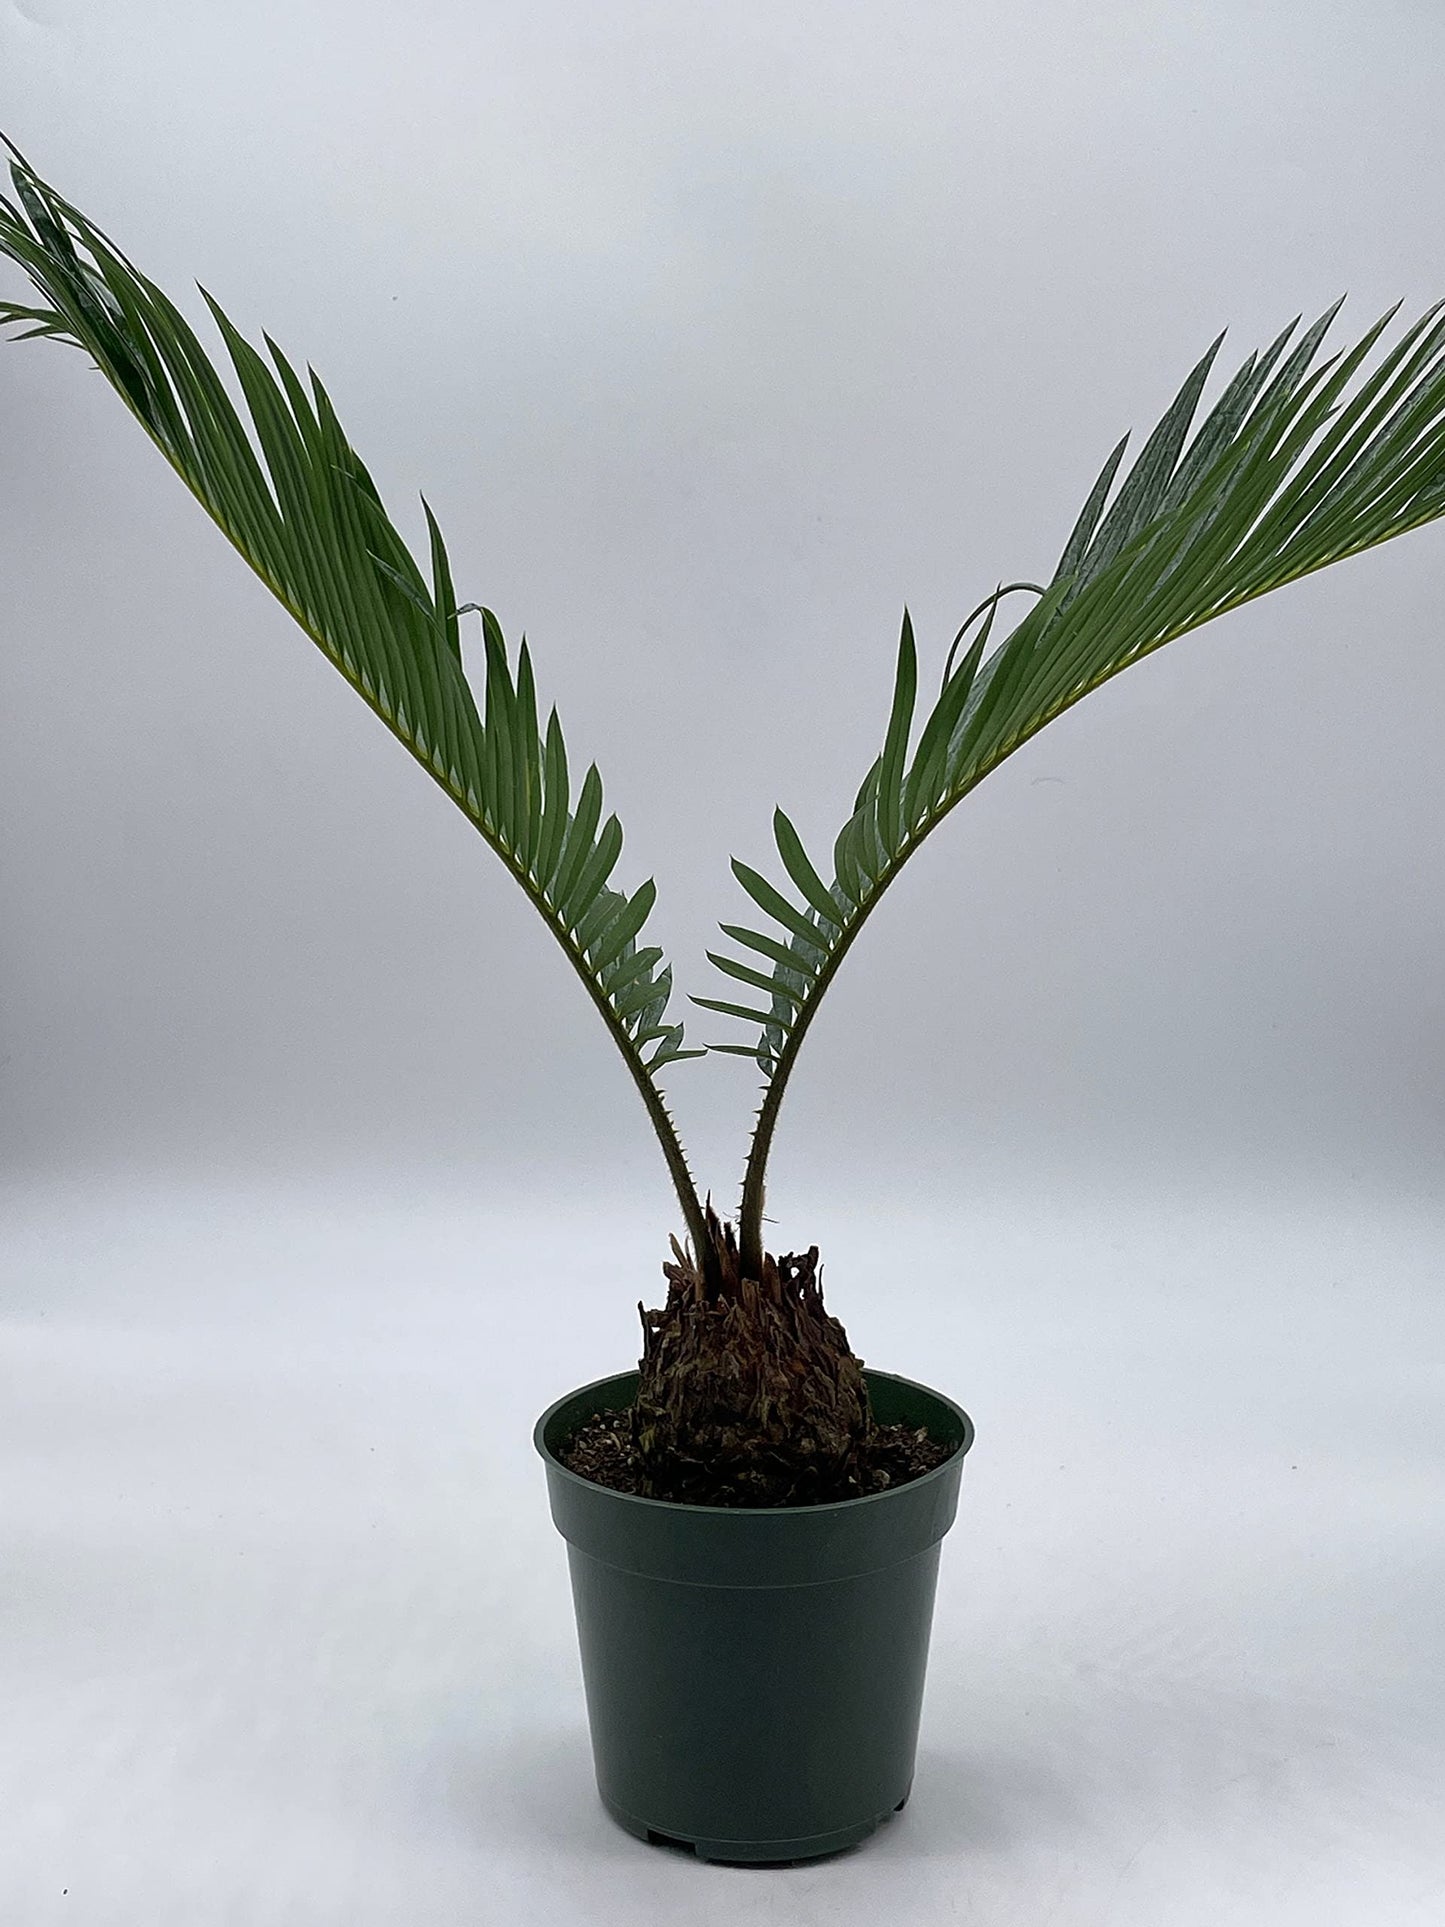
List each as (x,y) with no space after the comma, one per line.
(714,335)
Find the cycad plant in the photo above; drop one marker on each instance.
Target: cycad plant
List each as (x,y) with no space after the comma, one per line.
(749,1393)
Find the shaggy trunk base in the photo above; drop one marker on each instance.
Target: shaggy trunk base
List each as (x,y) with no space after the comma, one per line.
(749,1393)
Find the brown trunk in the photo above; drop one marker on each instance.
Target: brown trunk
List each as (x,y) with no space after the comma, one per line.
(749,1393)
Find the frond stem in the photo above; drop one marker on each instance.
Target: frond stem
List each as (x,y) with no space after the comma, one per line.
(750,1215)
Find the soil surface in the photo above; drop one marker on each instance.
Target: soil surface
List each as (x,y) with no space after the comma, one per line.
(601,1449)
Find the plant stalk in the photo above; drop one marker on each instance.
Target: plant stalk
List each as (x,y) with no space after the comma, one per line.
(750,1214)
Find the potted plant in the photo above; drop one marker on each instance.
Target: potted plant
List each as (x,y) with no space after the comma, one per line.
(753,1519)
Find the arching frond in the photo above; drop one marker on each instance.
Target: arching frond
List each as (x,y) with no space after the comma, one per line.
(1298,464)
(279,477)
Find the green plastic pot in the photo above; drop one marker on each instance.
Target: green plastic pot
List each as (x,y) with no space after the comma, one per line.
(754,1676)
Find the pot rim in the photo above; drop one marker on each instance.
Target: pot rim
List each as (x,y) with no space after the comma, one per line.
(557,1469)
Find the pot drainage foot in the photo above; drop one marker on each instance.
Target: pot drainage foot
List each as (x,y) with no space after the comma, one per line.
(754,1853)
(656,1839)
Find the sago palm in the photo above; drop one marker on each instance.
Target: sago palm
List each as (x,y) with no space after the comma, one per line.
(749,1392)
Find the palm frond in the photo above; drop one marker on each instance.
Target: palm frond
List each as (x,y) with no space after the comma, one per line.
(1299,463)
(284,484)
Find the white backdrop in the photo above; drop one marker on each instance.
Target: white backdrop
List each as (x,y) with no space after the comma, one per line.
(714,336)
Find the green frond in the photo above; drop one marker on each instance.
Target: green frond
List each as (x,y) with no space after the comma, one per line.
(1299,463)
(279,477)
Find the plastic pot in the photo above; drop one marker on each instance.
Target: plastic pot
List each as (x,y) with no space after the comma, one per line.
(754,1675)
